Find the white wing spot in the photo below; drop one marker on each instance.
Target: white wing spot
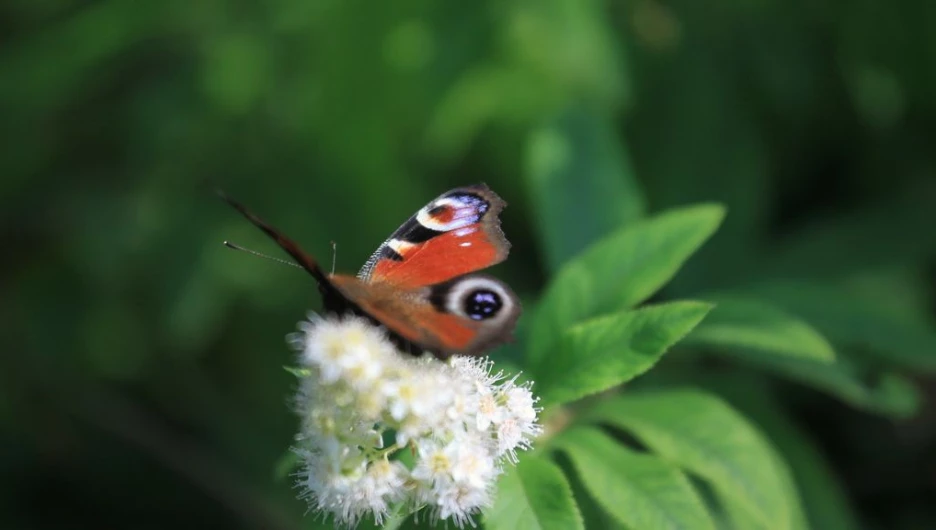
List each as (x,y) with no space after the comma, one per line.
(399,246)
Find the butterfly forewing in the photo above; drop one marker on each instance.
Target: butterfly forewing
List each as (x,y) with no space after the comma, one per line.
(455,234)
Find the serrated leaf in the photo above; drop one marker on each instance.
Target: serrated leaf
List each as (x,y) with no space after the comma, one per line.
(581,183)
(746,324)
(593,515)
(607,351)
(706,437)
(824,499)
(640,490)
(619,271)
(533,495)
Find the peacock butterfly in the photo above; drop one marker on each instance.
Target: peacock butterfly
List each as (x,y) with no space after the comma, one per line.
(422,282)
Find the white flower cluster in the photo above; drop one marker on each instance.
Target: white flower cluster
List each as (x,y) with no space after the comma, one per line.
(454,423)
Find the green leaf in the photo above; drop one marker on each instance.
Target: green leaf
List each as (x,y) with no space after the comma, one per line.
(593,515)
(735,517)
(824,499)
(852,320)
(606,351)
(866,388)
(745,324)
(642,491)
(533,495)
(849,377)
(705,436)
(620,271)
(581,183)
(798,519)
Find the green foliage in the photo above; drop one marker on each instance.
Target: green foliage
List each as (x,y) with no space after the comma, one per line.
(576,164)
(619,271)
(824,501)
(743,325)
(739,197)
(639,490)
(606,351)
(847,379)
(712,441)
(535,495)
(858,321)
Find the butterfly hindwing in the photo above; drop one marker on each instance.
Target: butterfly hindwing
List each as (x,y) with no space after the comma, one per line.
(455,234)
(467,315)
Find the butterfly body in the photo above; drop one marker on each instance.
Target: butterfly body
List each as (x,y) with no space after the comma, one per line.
(422,282)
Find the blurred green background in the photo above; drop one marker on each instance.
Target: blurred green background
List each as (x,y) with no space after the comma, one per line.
(141,381)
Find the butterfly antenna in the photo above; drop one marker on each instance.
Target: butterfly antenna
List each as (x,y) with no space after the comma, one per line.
(304,260)
(334,256)
(235,246)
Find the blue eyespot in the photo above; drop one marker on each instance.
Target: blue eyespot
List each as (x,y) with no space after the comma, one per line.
(482,304)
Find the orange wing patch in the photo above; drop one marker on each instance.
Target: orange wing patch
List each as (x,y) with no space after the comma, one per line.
(410,315)
(443,257)
(457,233)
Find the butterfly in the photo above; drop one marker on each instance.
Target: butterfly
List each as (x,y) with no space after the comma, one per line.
(422,283)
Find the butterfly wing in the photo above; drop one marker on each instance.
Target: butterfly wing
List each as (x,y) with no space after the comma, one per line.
(467,315)
(455,234)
